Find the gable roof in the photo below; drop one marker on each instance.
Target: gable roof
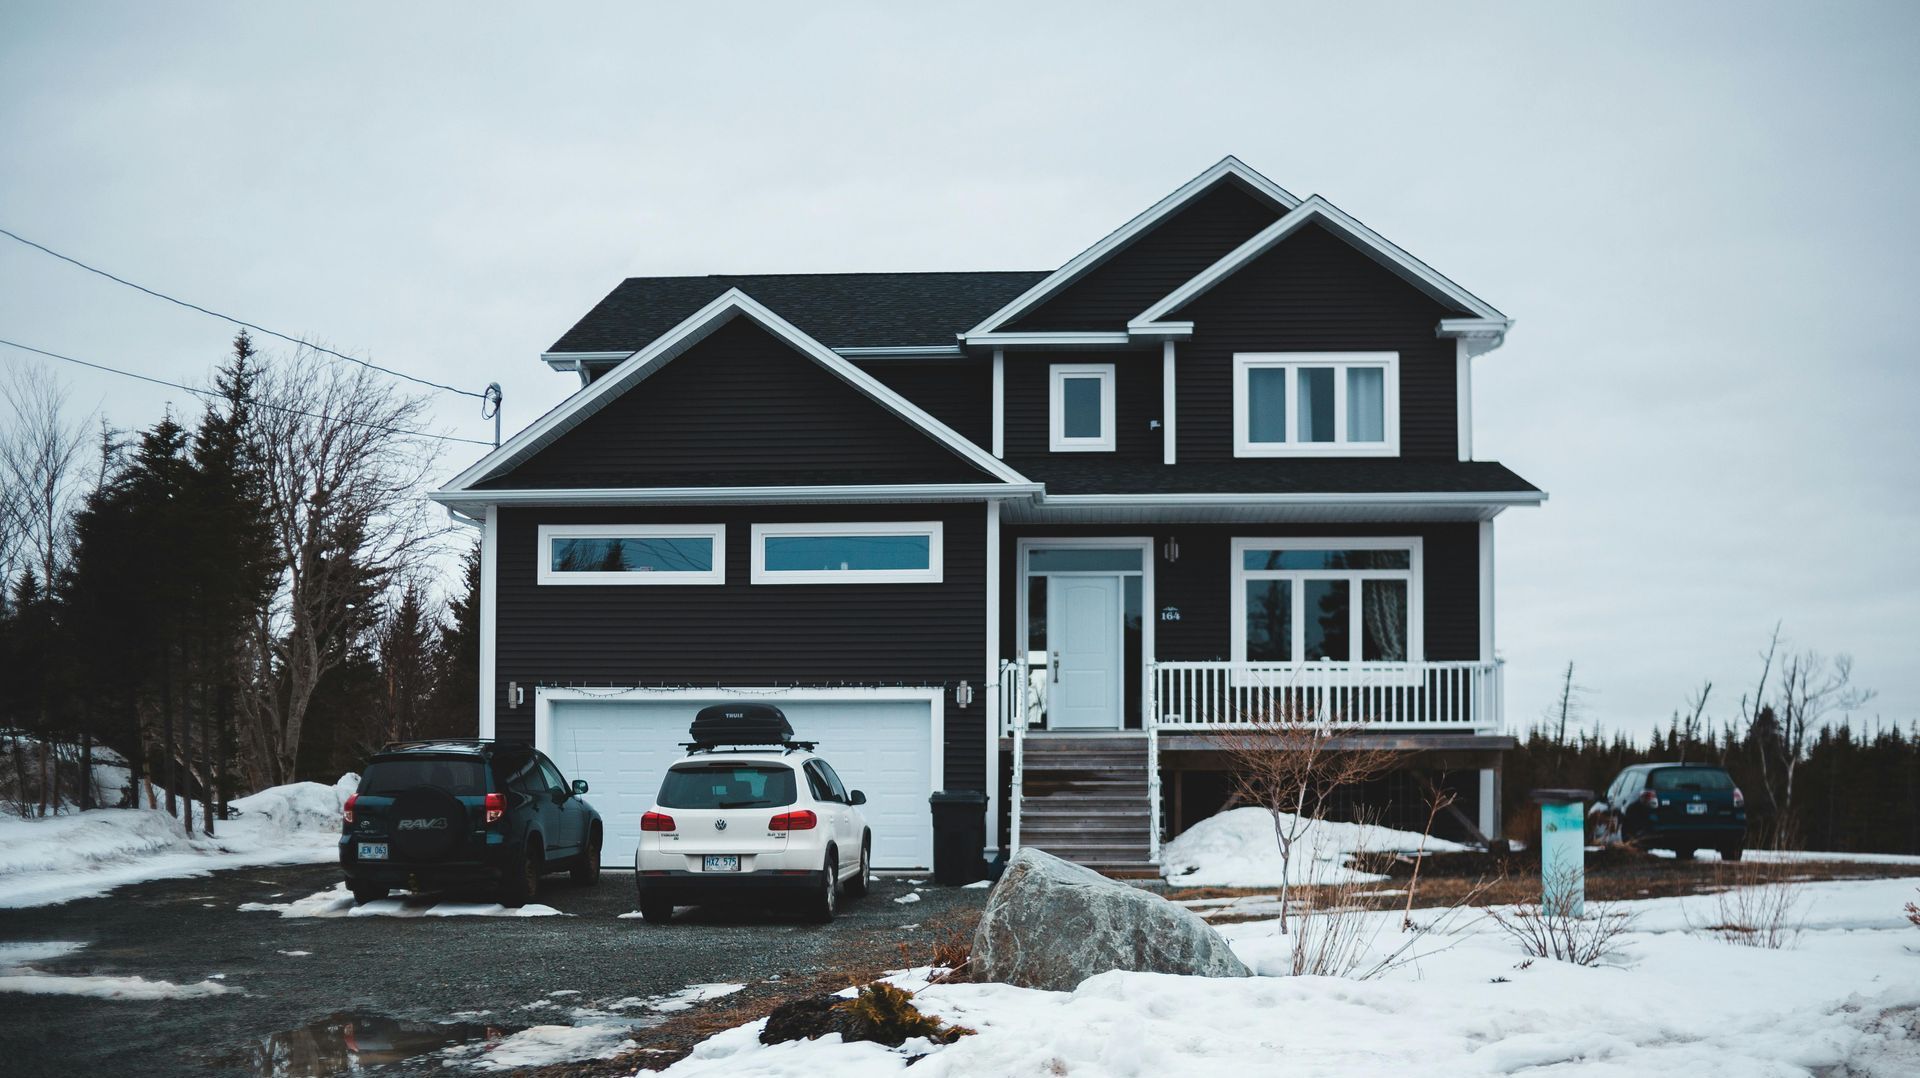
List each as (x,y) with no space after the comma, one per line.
(696,327)
(1229,168)
(843,310)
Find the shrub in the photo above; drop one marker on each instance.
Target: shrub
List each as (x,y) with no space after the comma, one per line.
(1550,929)
(1756,907)
(1913,914)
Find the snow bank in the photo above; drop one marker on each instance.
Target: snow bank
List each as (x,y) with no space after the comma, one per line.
(84,854)
(1237,849)
(1675,1003)
(17,975)
(540,1046)
(337,901)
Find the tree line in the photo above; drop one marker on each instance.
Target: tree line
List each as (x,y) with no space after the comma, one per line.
(223,602)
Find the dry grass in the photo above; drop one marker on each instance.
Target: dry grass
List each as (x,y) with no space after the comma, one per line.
(1757,905)
(1549,927)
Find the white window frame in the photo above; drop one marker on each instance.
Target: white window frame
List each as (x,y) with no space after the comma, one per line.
(1414,575)
(1057,439)
(934,573)
(546,574)
(1291,362)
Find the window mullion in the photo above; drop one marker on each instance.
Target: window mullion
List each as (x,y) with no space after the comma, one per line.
(1339,405)
(1289,426)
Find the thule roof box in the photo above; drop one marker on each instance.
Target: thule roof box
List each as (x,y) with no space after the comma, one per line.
(741,726)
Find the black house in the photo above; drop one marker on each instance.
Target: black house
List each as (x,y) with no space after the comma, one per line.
(1036,534)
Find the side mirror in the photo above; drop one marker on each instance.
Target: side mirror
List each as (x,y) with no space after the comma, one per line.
(579,786)
(857,798)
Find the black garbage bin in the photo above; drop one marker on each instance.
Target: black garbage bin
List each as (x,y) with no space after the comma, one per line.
(959,836)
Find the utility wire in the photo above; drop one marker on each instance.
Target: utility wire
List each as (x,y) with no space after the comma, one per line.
(236,321)
(211,396)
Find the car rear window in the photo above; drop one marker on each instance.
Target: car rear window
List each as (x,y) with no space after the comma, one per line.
(1668,779)
(728,786)
(462,777)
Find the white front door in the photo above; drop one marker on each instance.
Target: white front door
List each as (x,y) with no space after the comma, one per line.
(1084,690)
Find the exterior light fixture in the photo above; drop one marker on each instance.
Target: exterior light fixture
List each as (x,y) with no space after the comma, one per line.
(1171,549)
(963,695)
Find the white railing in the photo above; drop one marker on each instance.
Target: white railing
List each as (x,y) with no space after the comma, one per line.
(1404,696)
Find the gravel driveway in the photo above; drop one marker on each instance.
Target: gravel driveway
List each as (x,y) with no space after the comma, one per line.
(397,977)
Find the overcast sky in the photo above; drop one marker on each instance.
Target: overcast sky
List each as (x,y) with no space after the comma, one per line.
(1704,217)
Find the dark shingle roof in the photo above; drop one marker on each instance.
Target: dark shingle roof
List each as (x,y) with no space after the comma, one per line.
(840,310)
(1276,476)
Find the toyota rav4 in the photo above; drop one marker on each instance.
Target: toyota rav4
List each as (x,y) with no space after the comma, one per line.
(434,814)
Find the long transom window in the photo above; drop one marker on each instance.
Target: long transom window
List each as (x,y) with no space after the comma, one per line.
(1308,600)
(1316,403)
(632,554)
(891,552)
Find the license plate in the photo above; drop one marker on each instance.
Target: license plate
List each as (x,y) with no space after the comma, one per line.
(722,863)
(1696,808)
(373,851)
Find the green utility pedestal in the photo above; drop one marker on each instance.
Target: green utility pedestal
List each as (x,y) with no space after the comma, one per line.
(1563,850)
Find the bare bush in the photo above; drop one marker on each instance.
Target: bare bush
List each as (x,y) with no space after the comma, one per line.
(1913,914)
(1756,907)
(1551,929)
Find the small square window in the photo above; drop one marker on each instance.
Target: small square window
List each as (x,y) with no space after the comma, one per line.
(1081,408)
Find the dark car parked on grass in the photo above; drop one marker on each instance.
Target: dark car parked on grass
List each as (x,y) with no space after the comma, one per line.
(1678,807)
(438,814)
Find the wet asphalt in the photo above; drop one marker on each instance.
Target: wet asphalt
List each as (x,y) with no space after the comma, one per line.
(401,974)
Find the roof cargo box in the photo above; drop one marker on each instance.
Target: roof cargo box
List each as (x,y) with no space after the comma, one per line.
(740,724)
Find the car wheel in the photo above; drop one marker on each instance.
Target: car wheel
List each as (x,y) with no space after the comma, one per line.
(586,871)
(826,901)
(857,886)
(655,910)
(368,893)
(520,877)
(1731,853)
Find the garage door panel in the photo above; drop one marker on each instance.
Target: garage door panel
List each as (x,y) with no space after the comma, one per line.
(622,748)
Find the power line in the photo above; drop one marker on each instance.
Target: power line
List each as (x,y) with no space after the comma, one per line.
(236,321)
(210,395)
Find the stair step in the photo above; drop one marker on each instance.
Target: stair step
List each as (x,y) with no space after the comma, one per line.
(1042,832)
(1055,811)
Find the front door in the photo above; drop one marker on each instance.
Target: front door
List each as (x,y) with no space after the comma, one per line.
(1084,690)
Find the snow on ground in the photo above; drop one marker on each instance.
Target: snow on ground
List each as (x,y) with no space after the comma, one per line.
(682,1000)
(336,901)
(1237,849)
(17,974)
(1673,1001)
(83,854)
(540,1046)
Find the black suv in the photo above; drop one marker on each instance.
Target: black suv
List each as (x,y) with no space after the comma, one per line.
(433,814)
(1678,807)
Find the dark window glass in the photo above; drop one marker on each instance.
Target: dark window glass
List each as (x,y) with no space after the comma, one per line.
(1266,404)
(727,786)
(1383,620)
(1269,621)
(1037,613)
(1328,624)
(550,775)
(627,554)
(1083,560)
(1326,559)
(1689,779)
(1316,404)
(1366,404)
(1133,648)
(1080,406)
(462,777)
(833,781)
(814,553)
(817,783)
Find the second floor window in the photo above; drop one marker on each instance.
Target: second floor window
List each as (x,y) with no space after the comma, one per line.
(1344,404)
(1080,413)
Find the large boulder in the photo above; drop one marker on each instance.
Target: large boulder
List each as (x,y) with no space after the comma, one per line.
(1051,924)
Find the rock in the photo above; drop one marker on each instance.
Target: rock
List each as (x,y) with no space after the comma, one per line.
(1051,924)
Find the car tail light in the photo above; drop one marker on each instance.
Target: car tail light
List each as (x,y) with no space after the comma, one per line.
(346,810)
(797,820)
(1739,799)
(656,821)
(496,807)
(1650,799)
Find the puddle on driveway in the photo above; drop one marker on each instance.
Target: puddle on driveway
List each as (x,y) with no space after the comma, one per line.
(348,1043)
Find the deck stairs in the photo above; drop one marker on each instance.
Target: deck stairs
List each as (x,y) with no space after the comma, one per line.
(1086,798)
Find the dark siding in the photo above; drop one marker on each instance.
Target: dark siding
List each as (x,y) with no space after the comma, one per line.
(1313,292)
(1201,582)
(741,408)
(958,392)
(1136,404)
(1169,255)
(742,634)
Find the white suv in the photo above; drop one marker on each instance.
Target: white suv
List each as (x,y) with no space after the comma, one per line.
(748,824)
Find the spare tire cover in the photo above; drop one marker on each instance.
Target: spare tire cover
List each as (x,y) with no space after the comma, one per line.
(428,824)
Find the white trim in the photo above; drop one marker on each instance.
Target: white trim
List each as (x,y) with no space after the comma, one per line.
(1479,335)
(1463,395)
(670,345)
(1488,804)
(578,361)
(1125,234)
(1331,499)
(1414,575)
(489,617)
(1291,362)
(1000,402)
(544,573)
(990,683)
(1487,639)
(1057,439)
(903,351)
(934,530)
(596,496)
(1148,611)
(1425,277)
(1169,407)
(1075,339)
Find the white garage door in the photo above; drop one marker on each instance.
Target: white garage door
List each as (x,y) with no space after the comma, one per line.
(884,748)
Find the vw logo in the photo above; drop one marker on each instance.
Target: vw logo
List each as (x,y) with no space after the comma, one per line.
(719,825)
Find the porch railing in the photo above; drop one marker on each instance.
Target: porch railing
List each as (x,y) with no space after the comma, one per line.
(1404,696)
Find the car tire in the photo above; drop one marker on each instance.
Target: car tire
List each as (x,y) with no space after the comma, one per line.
(655,910)
(586,870)
(858,886)
(368,893)
(1731,853)
(826,900)
(520,876)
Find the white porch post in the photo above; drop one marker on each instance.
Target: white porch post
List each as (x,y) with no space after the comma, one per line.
(489,605)
(1489,820)
(995,693)
(1000,402)
(1167,406)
